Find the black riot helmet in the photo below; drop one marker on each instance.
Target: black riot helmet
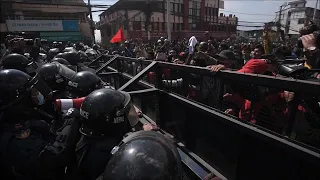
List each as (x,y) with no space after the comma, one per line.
(61,61)
(72,57)
(203,46)
(56,75)
(69,49)
(153,156)
(96,47)
(60,55)
(16,85)
(20,62)
(107,112)
(53,52)
(83,83)
(83,57)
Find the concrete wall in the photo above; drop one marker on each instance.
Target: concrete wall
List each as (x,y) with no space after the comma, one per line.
(85,29)
(294,22)
(3,27)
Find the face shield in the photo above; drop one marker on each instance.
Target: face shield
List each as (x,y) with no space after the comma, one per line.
(32,68)
(132,115)
(64,71)
(39,90)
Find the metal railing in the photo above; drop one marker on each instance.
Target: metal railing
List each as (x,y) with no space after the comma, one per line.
(238,148)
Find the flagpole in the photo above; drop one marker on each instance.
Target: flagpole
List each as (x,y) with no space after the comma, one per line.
(168,20)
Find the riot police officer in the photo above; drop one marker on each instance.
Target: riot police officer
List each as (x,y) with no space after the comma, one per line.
(153,156)
(20,62)
(107,115)
(56,76)
(73,57)
(27,146)
(83,83)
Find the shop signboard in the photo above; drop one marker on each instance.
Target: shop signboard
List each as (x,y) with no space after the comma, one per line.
(61,36)
(34,25)
(70,25)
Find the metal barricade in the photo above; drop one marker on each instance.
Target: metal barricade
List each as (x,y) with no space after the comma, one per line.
(190,103)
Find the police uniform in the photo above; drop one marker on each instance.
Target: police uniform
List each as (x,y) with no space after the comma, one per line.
(28,147)
(103,127)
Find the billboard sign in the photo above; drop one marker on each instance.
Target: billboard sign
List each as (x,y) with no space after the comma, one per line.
(61,36)
(70,25)
(34,25)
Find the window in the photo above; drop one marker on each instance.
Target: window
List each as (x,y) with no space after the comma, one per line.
(156,26)
(171,7)
(301,21)
(176,8)
(190,26)
(136,25)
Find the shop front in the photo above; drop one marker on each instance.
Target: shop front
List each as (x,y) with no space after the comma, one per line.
(51,30)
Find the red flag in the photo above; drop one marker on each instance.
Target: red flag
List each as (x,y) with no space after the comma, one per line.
(118,37)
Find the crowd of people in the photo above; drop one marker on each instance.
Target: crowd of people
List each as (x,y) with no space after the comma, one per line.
(286,60)
(103,137)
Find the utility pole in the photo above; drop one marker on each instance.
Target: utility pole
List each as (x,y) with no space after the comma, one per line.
(279,24)
(315,12)
(168,20)
(91,22)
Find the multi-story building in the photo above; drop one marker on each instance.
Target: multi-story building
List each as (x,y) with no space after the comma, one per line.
(187,18)
(295,15)
(54,20)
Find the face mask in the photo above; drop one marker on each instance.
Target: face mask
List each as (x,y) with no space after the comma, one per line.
(40,98)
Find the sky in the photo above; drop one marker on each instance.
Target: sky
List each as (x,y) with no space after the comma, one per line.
(254,12)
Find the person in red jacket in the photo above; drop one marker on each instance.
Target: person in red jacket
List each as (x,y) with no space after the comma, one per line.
(247,112)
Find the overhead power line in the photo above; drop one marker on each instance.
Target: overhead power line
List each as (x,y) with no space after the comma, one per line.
(247,13)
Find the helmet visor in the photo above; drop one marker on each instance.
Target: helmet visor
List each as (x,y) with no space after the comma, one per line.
(40,85)
(133,117)
(132,114)
(32,68)
(65,71)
